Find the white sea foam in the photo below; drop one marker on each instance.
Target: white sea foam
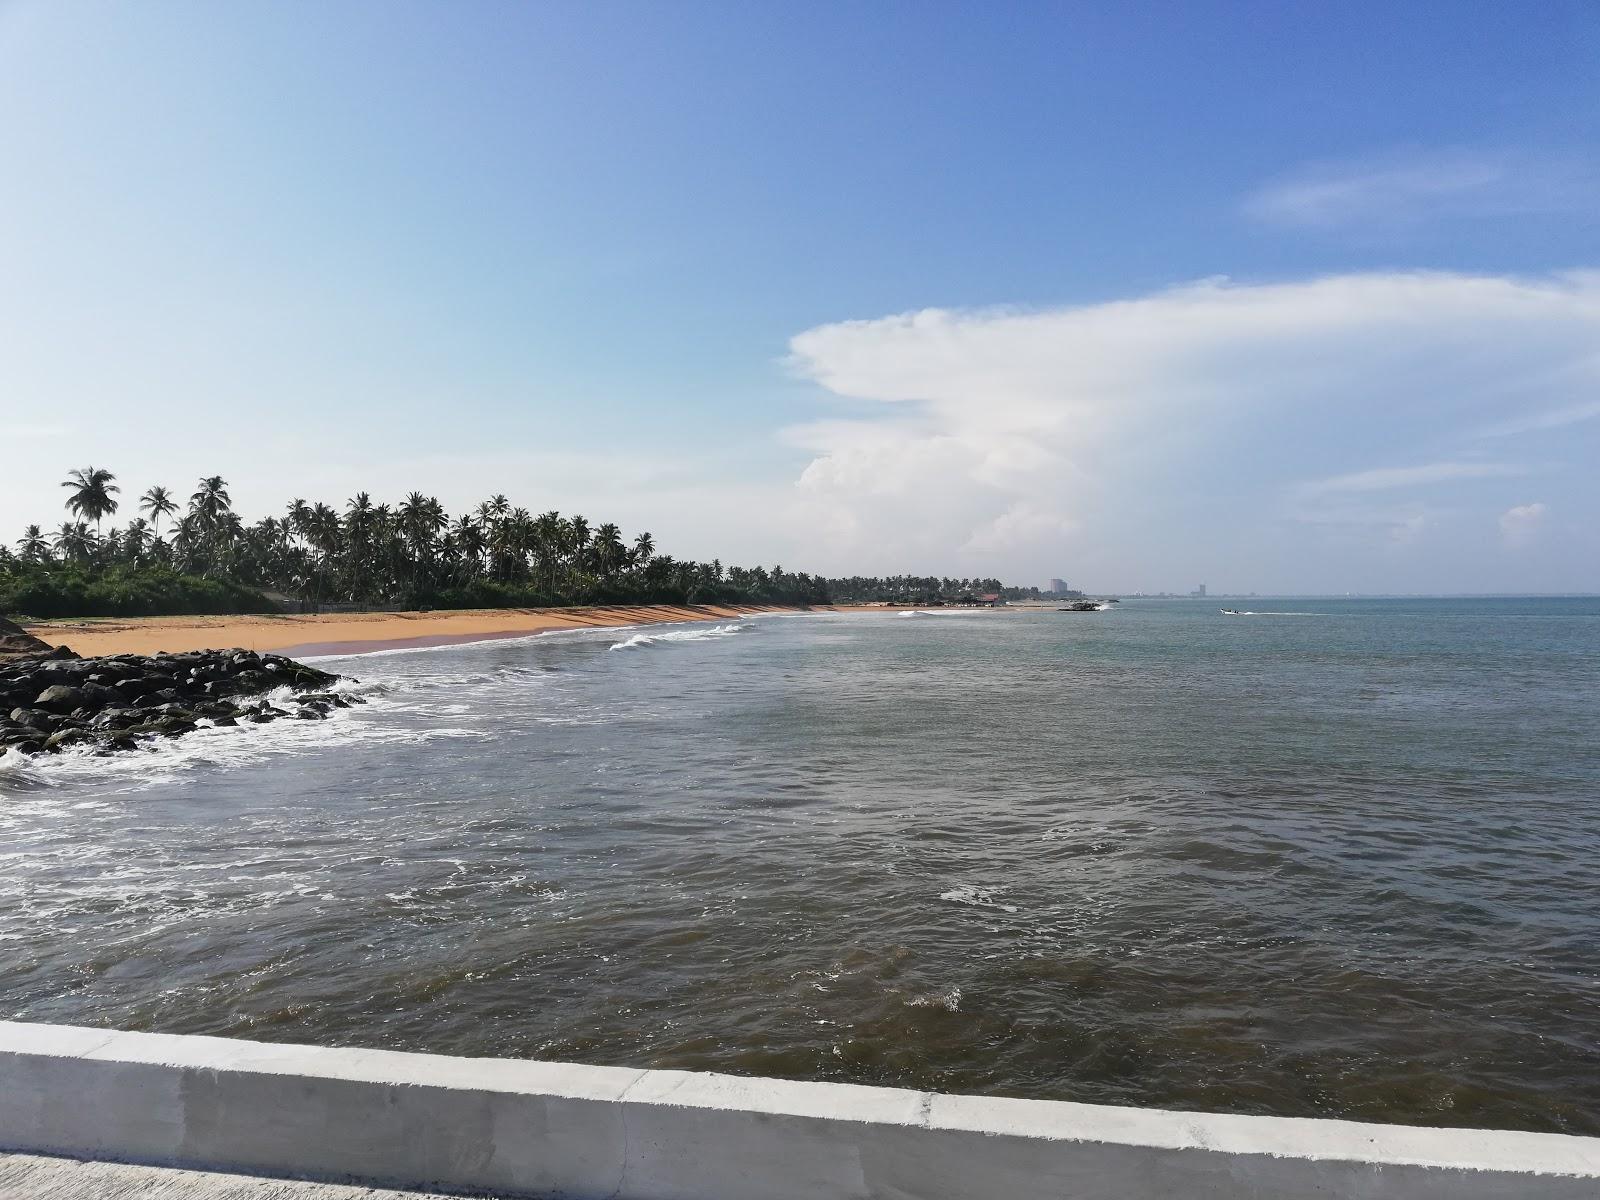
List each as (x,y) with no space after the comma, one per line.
(524,639)
(978,897)
(923,612)
(949,1000)
(163,760)
(1276,614)
(640,640)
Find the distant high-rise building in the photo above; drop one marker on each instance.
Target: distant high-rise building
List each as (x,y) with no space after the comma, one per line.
(1199,591)
(1058,586)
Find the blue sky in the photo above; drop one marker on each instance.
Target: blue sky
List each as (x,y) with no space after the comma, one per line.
(1278,297)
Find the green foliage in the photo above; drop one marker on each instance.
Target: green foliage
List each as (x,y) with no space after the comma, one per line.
(43,591)
(373,555)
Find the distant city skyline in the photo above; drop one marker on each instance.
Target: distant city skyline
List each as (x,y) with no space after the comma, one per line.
(1306,299)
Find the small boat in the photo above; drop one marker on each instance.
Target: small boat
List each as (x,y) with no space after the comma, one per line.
(1233,612)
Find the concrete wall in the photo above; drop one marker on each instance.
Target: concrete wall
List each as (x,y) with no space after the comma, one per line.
(551,1129)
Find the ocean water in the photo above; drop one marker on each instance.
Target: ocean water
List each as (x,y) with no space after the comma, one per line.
(1341,863)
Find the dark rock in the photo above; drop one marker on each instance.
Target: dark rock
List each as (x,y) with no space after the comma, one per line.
(60,698)
(34,718)
(17,642)
(67,737)
(55,699)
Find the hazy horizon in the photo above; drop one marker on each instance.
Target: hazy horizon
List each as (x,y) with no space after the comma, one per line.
(1289,302)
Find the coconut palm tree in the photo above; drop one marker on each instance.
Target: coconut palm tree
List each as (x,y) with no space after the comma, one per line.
(466,535)
(158,503)
(135,538)
(92,489)
(74,542)
(32,546)
(374,553)
(210,501)
(609,550)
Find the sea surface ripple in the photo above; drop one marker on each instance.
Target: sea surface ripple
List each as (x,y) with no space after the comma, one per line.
(1155,855)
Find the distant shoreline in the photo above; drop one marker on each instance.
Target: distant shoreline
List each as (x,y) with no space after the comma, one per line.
(364,633)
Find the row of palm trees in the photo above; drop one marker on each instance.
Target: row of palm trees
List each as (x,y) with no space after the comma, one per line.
(375,554)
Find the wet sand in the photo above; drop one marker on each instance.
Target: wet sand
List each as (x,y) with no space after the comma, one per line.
(355,633)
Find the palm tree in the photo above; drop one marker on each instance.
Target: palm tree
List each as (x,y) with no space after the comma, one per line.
(133,540)
(296,516)
(158,503)
(91,494)
(211,501)
(466,535)
(609,549)
(375,554)
(32,546)
(577,544)
(74,542)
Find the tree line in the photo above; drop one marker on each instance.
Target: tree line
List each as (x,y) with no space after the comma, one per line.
(922,589)
(199,555)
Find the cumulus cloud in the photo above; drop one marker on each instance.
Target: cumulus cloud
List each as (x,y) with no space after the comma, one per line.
(1028,435)
(1404,189)
(1521,523)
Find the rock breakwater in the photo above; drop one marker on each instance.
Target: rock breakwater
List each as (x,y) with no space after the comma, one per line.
(52,701)
(17,642)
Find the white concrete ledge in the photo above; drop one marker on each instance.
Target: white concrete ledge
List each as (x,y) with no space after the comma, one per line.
(553,1129)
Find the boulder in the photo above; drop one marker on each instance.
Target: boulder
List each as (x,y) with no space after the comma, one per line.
(34,718)
(98,695)
(134,686)
(55,699)
(63,738)
(17,642)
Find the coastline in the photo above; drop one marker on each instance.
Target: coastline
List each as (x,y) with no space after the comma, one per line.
(358,633)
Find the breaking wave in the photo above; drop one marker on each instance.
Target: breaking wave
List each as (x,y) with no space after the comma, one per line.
(640,640)
(162,760)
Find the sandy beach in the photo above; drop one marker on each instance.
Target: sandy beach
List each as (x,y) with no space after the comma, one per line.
(354,633)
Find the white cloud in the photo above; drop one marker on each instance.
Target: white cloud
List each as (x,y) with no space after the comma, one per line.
(1519,525)
(1402,189)
(1176,425)
(1387,478)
